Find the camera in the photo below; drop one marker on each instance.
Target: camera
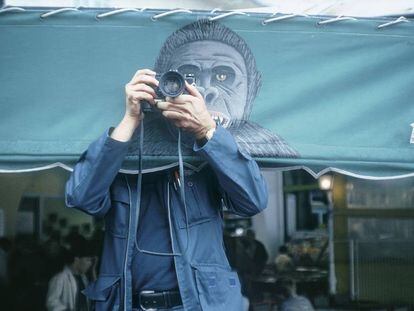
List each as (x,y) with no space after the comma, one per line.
(171,84)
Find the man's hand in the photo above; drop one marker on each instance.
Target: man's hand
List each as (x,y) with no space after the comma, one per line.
(141,87)
(188,111)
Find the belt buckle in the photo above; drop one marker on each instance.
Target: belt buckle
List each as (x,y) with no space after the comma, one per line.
(140,304)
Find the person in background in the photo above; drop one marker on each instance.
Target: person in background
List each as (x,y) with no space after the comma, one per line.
(283,261)
(65,288)
(5,248)
(25,272)
(54,254)
(256,251)
(289,300)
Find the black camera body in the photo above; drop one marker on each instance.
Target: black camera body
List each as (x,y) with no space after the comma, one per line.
(171,84)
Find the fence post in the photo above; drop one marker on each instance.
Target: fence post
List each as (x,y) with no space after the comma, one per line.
(352,268)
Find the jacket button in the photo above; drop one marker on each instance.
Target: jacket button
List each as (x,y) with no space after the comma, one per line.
(190,184)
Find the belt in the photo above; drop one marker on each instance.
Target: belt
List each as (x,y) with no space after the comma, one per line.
(152,300)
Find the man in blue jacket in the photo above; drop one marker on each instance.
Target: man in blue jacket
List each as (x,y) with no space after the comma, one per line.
(194,273)
(197,275)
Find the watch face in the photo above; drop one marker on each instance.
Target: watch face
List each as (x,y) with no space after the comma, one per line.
(210,133)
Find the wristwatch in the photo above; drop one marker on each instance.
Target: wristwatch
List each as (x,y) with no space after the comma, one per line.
(207,137)
(210,133)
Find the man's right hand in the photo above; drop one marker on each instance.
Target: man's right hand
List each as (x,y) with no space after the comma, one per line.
(141,87)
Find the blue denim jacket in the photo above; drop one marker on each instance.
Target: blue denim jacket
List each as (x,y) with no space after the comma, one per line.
(205,279)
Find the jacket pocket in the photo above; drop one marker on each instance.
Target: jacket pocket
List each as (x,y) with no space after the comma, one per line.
(104,292)
(218,288)
(201,206)
(116,220)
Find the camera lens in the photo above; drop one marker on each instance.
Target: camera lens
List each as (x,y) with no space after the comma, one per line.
(171,84)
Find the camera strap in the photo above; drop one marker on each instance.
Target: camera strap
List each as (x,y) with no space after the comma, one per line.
(182,196)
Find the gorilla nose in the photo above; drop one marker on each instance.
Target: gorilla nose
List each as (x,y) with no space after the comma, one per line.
(210,95)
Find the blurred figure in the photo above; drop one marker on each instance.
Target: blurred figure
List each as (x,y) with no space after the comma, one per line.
(289,300)
(97,239)
(256,252)
(283,262)
(248,257)
(26,267)
(73,236)
(239,260)
(5,247)
(65,288)
(54,254)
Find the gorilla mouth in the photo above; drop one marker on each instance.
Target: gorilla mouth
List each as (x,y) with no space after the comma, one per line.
(220,118)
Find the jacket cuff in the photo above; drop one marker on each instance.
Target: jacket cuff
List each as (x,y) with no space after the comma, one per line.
(113,143)
(221,140)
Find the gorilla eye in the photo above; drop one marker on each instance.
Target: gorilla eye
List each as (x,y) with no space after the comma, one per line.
(223,75)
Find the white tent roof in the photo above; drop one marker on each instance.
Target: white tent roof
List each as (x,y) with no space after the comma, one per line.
(312,7)
(364,8)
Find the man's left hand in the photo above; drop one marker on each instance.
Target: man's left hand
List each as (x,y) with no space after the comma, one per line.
(189,112)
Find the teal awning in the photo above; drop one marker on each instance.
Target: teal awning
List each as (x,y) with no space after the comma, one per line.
(337,95)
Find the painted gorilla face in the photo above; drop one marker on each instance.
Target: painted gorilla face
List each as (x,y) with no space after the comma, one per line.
(220,75)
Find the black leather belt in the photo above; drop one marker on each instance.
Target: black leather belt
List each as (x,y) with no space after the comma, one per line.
(152,300)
